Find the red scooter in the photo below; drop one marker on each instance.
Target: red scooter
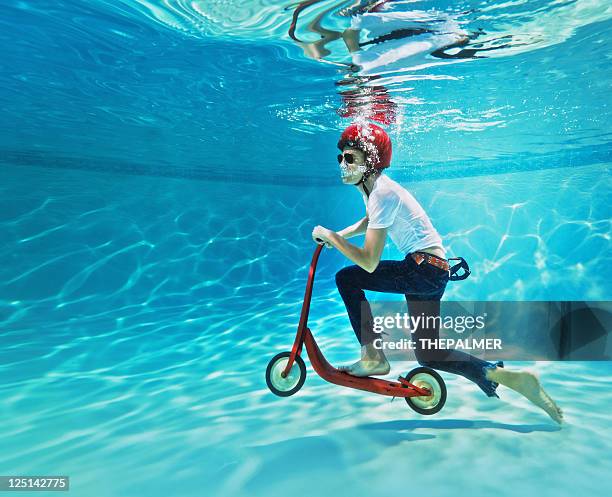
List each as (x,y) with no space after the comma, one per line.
(423,388)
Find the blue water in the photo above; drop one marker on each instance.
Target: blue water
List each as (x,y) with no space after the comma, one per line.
(162,165)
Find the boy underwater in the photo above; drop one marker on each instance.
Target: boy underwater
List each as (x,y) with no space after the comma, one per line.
(421,276)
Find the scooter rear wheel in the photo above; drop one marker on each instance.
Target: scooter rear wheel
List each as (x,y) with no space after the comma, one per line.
(427,378)
(284,387)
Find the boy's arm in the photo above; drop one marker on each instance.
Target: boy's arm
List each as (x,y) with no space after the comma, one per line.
(358,228)
(367,257)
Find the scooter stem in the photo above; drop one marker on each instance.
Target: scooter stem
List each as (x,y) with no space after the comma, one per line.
(299,337)
(309,285)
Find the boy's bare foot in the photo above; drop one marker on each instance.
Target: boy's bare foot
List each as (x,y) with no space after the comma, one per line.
(528,385)
(367,367)
(372,362)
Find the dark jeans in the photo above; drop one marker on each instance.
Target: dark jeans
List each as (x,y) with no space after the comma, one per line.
(423,285)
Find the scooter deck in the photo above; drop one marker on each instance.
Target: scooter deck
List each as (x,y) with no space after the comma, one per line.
(376,385)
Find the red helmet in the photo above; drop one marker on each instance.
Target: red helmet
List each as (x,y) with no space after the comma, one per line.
(372,139)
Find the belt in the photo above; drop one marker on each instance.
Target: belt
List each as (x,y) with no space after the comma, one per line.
(420,257)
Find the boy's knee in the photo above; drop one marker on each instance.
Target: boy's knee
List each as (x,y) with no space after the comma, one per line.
(421,358)
(343,277)
(340,277)
(430,358)
(426,363)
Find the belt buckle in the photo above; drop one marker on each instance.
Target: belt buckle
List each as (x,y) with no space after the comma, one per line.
(418,258)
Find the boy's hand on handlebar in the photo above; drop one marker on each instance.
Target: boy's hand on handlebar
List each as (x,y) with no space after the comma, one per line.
(321,236)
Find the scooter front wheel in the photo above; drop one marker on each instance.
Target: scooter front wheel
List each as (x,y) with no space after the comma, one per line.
(284,387)
(427,378)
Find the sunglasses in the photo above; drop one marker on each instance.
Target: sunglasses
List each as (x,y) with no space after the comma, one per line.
(348,158)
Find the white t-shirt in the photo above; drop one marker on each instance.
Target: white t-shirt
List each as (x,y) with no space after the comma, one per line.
(391,206)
